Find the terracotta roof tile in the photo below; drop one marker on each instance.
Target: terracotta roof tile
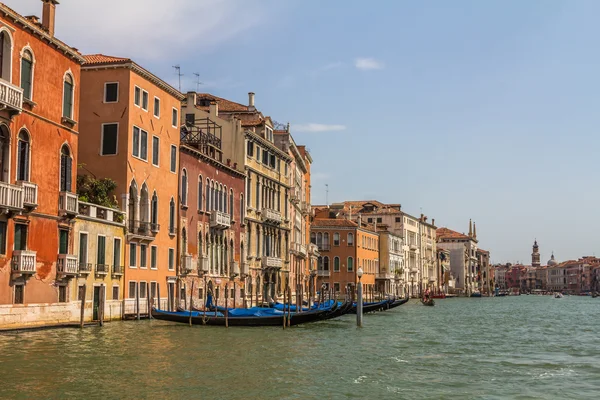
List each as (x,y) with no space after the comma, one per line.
(224,104)
(96,59)
(445,233)
(326,222)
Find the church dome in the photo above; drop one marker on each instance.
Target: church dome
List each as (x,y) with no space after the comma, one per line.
(552,261)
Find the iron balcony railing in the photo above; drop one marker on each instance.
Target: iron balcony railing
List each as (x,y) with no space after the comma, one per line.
(102,269)
(85,268)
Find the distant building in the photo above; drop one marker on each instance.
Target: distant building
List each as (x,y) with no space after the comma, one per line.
(463,256)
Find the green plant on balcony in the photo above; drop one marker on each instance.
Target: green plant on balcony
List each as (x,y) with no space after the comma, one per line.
(97,191)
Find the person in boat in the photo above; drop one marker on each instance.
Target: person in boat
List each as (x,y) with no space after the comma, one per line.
(426,295)
(209,299)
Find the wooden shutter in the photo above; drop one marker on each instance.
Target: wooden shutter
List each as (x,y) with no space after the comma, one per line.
(68,173)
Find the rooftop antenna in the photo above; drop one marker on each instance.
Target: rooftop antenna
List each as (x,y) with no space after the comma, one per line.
(179,74)
(327,195)
(198,83)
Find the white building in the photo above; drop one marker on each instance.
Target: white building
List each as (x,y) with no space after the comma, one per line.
(463,257)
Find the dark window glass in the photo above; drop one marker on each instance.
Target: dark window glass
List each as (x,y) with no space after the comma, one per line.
(101,257)
(27,74)
(175,118)
(132,255)
(250,149)
(156,107)
(20,237)
(136,141)
(19,294)
(155,150)
(23,157)
(137,96)
(171,259)
(62,294)
(65,170)
(143,255)
(173,158)
(63,241)
(115,293)
(145,100)
(111,94)
(144,146)
(2,237)
(83,239)
(117,252)
(132,289)
(68,97)
(109,139)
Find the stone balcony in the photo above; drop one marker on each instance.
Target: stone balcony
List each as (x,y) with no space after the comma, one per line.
(11,97)
(313,249)
(186,264)
(11,197)
(413,247)
(271,216)
(30,194)
(203,265)
(140,230)
(66,265)
(305,207)
(299,249)
(323,273)
(271,262)
(385,275)
(24,262)
(68,204)
(96,212)
(413,270)
(220,220)
(244,270)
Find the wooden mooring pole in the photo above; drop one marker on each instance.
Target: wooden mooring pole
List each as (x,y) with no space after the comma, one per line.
(137,301)
(101,306)
(191,303)
(82,315)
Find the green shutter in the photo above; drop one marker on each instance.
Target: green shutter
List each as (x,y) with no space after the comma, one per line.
(26,75)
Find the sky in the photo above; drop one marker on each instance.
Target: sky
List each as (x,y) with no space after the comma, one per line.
(459,110)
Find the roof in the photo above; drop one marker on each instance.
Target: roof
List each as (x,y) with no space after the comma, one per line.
(326,222)
(483,251)
(224,104)
(445,233)
(97,59)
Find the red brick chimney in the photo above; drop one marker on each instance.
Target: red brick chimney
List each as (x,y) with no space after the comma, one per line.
(48,15)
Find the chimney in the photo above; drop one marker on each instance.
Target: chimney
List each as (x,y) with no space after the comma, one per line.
(251,100)
(433,221)
(359,220)
(191,99)
(214,109)
(48,15)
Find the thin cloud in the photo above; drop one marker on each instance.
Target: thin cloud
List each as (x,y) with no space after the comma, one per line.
(148,29)
(319,176)
(366,64)
(314,128)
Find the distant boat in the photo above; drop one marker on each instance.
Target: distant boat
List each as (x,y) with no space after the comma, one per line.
(439,296)
(476,294)
(429,302)
(594,294)
(558,295)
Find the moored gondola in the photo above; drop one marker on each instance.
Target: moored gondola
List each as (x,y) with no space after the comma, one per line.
(372,307)
(398,303)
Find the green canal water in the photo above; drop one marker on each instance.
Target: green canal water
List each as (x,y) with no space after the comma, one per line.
(525,347)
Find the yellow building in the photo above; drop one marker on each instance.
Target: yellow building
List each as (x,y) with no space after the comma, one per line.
(99,240)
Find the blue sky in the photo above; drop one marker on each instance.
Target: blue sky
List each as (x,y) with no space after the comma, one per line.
(464,109)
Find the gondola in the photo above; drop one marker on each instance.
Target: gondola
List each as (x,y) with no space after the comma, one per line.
(398,303)
(429,302)
(372,307)
(259,318)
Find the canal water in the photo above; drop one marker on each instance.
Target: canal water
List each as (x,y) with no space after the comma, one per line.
(526,347)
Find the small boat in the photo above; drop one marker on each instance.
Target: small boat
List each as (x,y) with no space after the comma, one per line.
(594,295)
(398,303)
(374,306)
(476,294)
(558,295)
(439,296)
(429,302)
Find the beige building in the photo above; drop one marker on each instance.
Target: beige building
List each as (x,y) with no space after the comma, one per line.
(391,264)
(463,257)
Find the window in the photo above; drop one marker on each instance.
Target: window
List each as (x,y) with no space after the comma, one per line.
(66,168)
(350,239)
(152,290)
(155,150)
(143,290)
(326,263)
(201,293)
(257,153)
(117,252)
(63,241)
(336,264)
(250,149)
(153,257)
(336,287)
(140,143)
(350,264)
(398,219)
(2,237)
(242,208)
(369,220)
(132,255)
(27,74)
(19,294)
(200,186)
(20,237)
(265,158)
(154,213)
(157,107)
(101,251)
(143,255)
(23,157)
(207,194)
(132,289)
(175,118)
(171,259)
(137,96)
(336,239)
(268,133)
(172,217)
(379,220)
(109,139)
(68,87)
(111,92)
(62,294)
(231,203)
(144,100)
(173,158)
(115,293)
(83,245)
(184,188)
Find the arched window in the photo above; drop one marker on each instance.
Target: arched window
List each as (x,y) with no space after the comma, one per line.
(132,206)
(207,195)
(336,239)
(23,157)
(172,216)
(68,95)
(144,206)
(224,195)
(231,203)
(336,264)
(184,187)
(200,186)
(221,202)
(5,54)
(350,264)
(27,74)
(320,240)
(313,238)
(242,208)
(4,153)
(154,212)
(184,241)
(326,240)
(325,263)
(66,169)
(351,239)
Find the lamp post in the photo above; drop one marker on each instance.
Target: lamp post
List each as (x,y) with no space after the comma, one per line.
(359,300)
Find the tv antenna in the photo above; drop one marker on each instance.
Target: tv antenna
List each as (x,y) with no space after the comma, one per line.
(179,74)
(198,83)
(327,194)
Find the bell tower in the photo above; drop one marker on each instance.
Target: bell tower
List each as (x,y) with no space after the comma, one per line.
(535,256)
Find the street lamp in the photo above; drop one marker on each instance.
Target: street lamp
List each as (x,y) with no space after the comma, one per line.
(359,299)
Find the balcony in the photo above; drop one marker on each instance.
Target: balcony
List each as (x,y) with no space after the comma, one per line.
(295,197)
(67,204)
(299,249)
(305,207)
(186,264)
(324,247)
(235,268)
(271,262)
(244,269)
(323,273)
(313,249)
(66,265)
(102,269)
(385,276)
(11,97)
(117,270)
(219,220)
(24,262)
(85,268)
(154,228)
(203,265)
(96,212)
(30,194)
(271,216)
(413,247)
(11,197)
(140,230)
(413,270)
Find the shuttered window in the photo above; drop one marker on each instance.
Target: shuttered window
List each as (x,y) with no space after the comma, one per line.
(63,241)
(27,74)
(101,257)
(23,157)
(20,237)
(65,170)
(68,97)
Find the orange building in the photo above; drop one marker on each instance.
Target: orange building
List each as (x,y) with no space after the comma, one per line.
(39,103)
(345,246)
(130,131)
